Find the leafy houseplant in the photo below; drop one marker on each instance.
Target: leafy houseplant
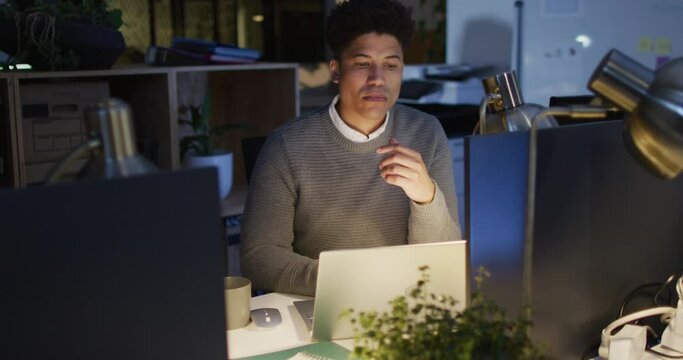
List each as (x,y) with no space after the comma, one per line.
(61,34)
(202,141)
(425,326)
(199,150)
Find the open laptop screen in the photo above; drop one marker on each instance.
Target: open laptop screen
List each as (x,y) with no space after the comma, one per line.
(116,269)
(367,279)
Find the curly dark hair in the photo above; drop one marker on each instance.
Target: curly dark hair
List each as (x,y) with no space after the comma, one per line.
(353,18)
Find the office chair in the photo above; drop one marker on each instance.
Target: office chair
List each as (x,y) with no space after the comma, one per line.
(456,120)
(250,148)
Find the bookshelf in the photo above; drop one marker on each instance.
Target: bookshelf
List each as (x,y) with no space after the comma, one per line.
(261,95)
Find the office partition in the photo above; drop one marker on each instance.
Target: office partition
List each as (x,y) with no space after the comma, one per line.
(604,226)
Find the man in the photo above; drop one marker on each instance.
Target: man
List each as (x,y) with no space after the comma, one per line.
(362,172)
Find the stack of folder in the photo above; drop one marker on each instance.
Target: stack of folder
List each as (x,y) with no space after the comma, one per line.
(187,51)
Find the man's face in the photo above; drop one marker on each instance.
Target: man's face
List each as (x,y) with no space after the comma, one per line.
(369,73)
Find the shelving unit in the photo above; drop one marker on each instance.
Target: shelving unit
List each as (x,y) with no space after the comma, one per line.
(262,96)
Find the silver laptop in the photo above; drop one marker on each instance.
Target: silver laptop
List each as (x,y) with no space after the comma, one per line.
(367,279)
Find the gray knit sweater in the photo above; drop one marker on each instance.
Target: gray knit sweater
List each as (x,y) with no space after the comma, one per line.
(312,189)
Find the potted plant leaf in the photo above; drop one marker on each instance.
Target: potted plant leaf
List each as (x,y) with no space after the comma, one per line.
(426,326)
(61,34)
(199,149)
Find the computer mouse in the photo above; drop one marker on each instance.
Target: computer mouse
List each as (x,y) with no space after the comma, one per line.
(266,317)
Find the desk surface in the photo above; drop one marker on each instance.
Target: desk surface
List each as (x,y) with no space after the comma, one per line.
(251,340)
(233,204)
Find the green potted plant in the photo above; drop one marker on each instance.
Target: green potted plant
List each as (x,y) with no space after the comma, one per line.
(61,34)
(199,148)
(426,326)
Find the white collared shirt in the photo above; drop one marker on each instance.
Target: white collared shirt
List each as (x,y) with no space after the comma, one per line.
(350,133)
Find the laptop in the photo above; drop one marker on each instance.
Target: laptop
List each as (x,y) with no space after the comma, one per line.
(367,279)
(117,269)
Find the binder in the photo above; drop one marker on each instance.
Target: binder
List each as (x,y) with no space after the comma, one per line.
(215,48)
(157,55)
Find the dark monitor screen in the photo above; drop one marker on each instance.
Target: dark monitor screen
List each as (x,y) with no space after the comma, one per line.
(117,269)
(604,226)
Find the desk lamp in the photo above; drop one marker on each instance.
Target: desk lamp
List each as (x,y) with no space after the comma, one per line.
(111,144)
(654,101)
(653,128)
(507,111)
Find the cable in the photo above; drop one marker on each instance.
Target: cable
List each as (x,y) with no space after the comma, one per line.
(655,352)
(636,316)
(666,314)
(666,284)
(632,294)
(651,331)
(607,332)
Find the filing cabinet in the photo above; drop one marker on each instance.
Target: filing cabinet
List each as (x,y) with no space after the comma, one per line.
(53,122)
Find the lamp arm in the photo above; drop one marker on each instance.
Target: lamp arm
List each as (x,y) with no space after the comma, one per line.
(574,112)
(482,115)
(60,169)
(481,125)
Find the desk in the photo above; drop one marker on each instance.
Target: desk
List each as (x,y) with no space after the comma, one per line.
(251,340)
(233,204)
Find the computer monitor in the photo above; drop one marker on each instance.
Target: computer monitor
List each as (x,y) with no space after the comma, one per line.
(604,226)
(117,269)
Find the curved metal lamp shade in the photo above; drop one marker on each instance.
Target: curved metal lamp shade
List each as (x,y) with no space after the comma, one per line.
(113,121)
(111,138)
(507,111)
(654,101)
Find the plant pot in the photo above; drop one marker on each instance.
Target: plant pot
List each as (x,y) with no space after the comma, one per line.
(97,47)
(222,162)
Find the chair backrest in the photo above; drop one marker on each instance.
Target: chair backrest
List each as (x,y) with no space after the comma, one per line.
(250,148)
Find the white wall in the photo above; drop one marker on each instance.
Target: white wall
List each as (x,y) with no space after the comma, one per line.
(563,41)
(480,32)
